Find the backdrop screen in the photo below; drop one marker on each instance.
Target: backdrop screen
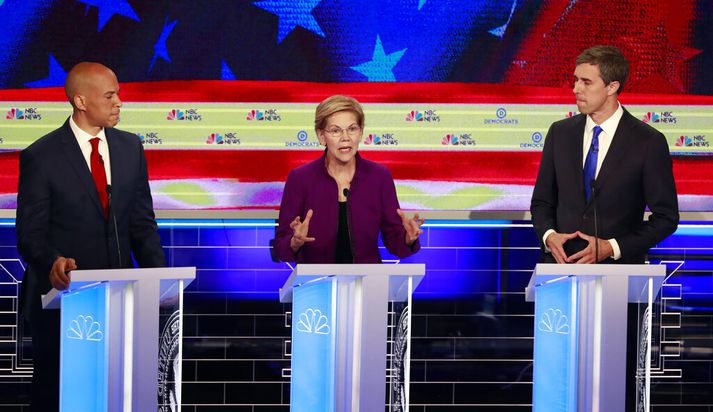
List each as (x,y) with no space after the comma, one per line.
(458,95)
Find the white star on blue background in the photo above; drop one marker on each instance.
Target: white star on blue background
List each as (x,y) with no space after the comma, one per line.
(500,31)
(108,8)
(56,76)
(290,14)
(160,48)
(380,68)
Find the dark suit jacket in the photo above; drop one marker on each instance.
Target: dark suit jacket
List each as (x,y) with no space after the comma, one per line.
(59,212)
(636,173)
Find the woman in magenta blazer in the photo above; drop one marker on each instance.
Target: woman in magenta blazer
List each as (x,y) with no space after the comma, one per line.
(333,208)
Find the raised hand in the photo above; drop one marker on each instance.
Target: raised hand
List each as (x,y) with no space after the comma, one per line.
(412,226)
(299,232)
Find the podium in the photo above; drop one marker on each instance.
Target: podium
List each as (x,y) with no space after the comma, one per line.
(580,334)
(120,344)
(339,340)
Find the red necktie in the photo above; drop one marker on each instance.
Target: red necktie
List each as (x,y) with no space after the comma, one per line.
(99,174)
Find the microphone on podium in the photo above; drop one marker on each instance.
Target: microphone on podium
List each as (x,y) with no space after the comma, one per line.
(112,216)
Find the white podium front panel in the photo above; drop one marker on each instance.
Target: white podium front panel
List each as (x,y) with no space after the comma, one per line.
(314,352)
(84,351)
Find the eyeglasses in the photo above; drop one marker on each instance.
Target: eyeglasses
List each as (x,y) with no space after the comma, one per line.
(336,131)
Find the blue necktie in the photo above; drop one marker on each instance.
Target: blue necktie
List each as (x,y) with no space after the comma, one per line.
(590,164)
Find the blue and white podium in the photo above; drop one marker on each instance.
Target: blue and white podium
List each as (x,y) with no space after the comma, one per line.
(580,335)
(120,345)
(340,317)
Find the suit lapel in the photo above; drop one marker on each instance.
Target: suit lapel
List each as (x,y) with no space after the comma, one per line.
(576,144)
(619,147)
(115,156)
(79,164)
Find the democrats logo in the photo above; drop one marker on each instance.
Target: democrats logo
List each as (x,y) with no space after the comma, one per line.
(301,140)
(386,139)
(85,328)
(692,141)
(30,113)
(661,117)
(227,138)
(501,117)
(536,142)
(427,116)
(465,139)
(554,321)
(269,115)
(189,115)
(313,321)
(169,363)
(570,114)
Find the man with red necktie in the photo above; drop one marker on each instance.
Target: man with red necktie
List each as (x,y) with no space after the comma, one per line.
(83,188)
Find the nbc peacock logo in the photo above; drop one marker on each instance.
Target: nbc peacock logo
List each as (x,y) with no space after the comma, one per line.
(651,117)
(692,141)
(29,113)
(85,328)
(230,138)
(450,140)
(188,115)
(414,116)
(427,116)
(214,138)
(268,115)
(372,139)
(255,115)
(453,139)
(176,114)
(313,321)
(660,118)
(554,321)
(150,138)
(15,114)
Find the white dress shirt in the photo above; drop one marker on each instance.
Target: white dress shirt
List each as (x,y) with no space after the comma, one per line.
(605,138)
(83,138)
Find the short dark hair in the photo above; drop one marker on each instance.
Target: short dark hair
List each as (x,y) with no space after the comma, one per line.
(613,66)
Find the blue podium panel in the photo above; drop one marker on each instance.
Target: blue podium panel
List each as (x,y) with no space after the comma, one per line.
(84,350)
(314,334)
(555,363)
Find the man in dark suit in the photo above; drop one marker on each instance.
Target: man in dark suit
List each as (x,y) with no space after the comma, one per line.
(77,184)
(599,171)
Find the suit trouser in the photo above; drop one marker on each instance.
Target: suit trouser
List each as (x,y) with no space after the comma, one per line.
(45,325)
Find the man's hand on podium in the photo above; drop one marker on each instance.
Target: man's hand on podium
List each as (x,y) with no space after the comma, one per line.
(59,276)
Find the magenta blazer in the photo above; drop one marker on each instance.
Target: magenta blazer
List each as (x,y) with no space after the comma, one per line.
(372,210)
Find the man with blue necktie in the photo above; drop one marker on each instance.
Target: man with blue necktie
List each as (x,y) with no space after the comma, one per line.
(599,171)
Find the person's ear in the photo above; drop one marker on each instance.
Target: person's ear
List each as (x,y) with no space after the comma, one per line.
(321,137)
(79,102)
(613,87)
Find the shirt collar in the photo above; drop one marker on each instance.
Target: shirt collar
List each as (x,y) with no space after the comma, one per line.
(81,135)
(608,126)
